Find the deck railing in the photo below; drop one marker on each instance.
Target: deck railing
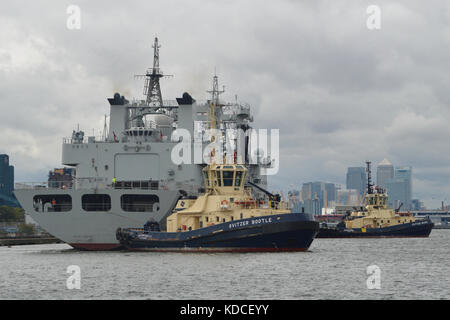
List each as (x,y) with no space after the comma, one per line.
(103,183)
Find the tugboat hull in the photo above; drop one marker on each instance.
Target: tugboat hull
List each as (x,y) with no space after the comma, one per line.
(284,232)
(417,229)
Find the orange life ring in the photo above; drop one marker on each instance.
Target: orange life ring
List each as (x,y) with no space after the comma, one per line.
(224,202)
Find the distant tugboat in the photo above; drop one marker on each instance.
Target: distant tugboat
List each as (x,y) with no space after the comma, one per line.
(225,218)
(377,221)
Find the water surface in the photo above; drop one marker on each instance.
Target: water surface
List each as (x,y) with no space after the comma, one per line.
(331,269)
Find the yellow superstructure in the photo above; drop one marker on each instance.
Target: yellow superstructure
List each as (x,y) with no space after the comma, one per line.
(226,199)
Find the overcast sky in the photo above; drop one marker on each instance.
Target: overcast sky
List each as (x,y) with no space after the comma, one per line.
(339,93)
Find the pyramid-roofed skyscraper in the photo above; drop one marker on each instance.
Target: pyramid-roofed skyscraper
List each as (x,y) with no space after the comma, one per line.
(385,171)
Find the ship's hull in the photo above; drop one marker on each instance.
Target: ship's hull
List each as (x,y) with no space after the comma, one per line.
(413,229)
(94,230)
(274,233)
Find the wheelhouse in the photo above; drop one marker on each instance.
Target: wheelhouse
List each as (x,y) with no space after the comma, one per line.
(226,177)
(377,200)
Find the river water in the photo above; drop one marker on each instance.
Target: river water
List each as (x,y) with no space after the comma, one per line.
(331,269)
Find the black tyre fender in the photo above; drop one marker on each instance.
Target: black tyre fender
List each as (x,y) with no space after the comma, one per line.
(119,234)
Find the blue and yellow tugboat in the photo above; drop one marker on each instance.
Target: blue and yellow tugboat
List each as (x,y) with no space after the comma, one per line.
(226,217)
(377,221)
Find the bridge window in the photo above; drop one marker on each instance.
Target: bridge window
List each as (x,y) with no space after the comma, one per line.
(96,202)
(237,182)
(227,178)
(216,178)
(52,203)
(139,202)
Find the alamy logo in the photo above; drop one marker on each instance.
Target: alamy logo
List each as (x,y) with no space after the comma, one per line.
(374,19)
(74,19)
(74,280)
(374,279)
(232,146)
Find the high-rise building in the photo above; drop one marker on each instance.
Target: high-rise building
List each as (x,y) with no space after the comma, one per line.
(405,174)
(399,189)
(306,191)
(317,195)
(397,193)
(6,180)
(330,188)
(417,205)
(310,198)
(349,197)
(385,172)
(357,179)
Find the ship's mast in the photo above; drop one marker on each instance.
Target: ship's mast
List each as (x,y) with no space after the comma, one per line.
(152,89)
(213,104)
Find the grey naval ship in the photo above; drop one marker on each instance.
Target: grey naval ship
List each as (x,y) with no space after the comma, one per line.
(127,177)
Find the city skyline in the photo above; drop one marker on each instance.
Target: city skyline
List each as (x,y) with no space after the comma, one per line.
(396,181)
